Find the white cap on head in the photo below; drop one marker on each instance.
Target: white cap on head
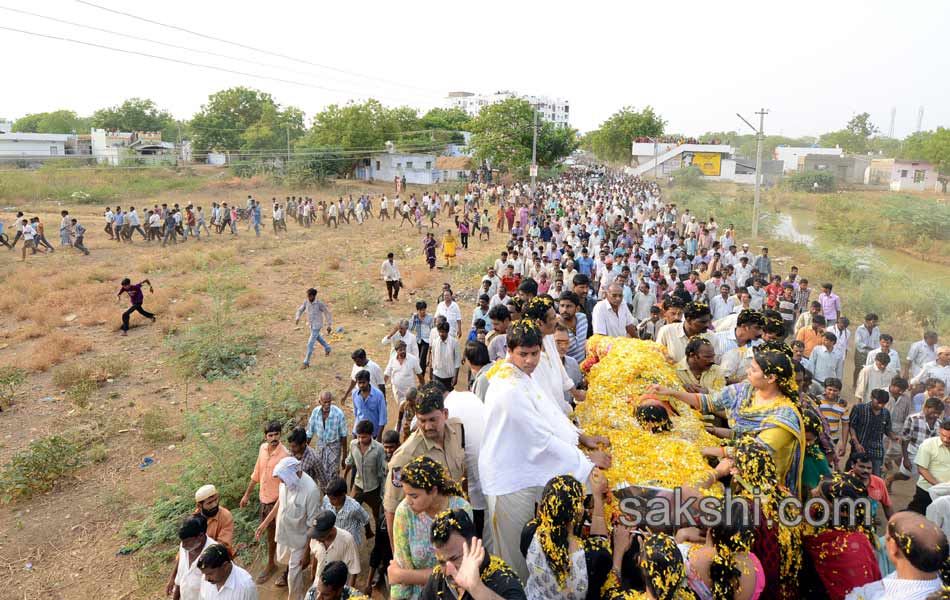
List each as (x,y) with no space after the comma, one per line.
(205,492)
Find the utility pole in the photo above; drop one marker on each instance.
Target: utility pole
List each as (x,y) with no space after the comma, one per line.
(287,129)
(534,154)
(759,139)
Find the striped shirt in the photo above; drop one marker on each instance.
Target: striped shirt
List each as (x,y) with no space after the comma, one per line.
(329,432)
(577,349)
(832,414)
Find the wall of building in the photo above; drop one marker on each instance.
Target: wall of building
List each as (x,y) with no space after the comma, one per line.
(790,155)
(385,167)
(913,176)
(32,145)
(555,110)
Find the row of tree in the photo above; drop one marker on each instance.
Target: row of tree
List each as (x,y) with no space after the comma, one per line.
(253,128)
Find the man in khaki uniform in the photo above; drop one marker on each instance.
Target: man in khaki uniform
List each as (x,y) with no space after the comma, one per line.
(437,436)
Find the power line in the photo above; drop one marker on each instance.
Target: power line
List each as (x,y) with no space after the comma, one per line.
(248,47)
(175,60)
(159,42)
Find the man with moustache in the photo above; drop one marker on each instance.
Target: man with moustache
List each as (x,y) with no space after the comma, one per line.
(269,455)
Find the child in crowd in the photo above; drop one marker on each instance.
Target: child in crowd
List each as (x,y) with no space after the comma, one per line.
(350,515)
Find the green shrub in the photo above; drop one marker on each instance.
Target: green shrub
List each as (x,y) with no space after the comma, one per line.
(220,447)
(805,181)
(217,347)
(154,426)
(38,467)
(689,177)
(11,378)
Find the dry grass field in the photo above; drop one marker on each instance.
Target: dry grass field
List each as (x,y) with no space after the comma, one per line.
(114,401)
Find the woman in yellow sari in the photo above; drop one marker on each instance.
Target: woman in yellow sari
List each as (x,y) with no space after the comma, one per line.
(763,406)
(448,247)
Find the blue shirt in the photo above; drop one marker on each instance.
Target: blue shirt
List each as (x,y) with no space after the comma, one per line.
(119,218)
(584,266)
(372,409)
(329,433)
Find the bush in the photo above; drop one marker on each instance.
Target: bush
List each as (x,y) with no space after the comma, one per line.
(690,177)
(154,427)
(37,468)
(812,181)
(11,378)
(221,447)
(218,347)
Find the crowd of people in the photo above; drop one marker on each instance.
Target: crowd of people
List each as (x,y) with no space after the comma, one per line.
(485,484)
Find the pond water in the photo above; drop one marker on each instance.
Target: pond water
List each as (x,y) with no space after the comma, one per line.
(801,226)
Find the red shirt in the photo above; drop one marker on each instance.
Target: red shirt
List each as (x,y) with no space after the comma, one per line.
(511,283)
(772,291)
(877,490)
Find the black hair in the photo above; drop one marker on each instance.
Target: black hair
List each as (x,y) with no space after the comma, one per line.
(748,316)
(273,427)
(859,457)
(695,343)
(935,403)
(880,395)
(653,418)
(362,375)
(390,436)
(529,286)
(537,308)
(900,382)
(581,279)
(312,292)
(883,357)
(732,534)
(833,382)
(476,353)
(523,333)
(426,474)
(830,337)
(887,337)
(818,320)
(570,297)
(443,326)
(365,427)
(336,487)
(358,354)
(213,557)
(192,526)
(447,521)
(499,312)
(297,436)
(126,281)
(775,358)
(421,304)
(335,574)
(431,397)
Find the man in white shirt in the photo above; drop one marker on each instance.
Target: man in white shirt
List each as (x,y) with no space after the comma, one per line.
(611,315)
(449,309)
(401,333)
(224,580)
(827,361)
(186,578)
(402,371)
(642,301)
(527,441)
(917,548)
(445,357)
(921,352)
(722,305)
(298,503)
(390,274)
(876,376)
(469,409)
(495,281)
(675,336)
(501,297)
(937,369)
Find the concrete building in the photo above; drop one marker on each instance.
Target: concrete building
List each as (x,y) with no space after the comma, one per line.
(903,175)
(718,162)
(32,146)
(846,169)
(385,166)
(112,147)
(555,110)
(790,155)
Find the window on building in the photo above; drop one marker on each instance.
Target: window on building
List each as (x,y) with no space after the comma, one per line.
(377,166)
(399,165)
(409,164)
(53,151)
(903,173)
(428,164)
(919,175)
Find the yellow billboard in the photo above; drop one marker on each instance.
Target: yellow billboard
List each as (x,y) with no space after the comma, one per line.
(710,163)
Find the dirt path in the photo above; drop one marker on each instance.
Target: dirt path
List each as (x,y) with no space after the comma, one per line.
(63,544)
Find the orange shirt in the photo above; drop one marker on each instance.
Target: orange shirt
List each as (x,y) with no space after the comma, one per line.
(264,472)
(810,339)
(221,528)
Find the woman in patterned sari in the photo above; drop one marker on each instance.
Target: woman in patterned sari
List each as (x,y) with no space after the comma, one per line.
(764,406)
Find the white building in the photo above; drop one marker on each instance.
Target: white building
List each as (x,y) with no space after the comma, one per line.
(385,166)
(555,110)
(791,156)
(717,162)
(32,145)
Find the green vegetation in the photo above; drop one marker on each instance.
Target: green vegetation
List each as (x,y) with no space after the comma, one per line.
(218,448)
(805,181)
(83,379)
(11,378)
(137,114)
(503,134)
(689,177)
(38,467)
(57,121)
(154,426)
(611,141)
(219,346)
(93,186)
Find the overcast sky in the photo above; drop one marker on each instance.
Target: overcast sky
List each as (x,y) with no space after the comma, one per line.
(812,64)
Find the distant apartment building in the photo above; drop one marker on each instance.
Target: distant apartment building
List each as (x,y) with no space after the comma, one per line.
(555,110)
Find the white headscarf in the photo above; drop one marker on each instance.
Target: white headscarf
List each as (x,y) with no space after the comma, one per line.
(287,469)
